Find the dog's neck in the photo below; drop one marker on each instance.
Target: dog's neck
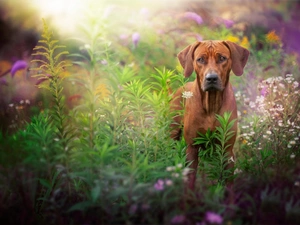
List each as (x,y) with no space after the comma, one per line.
(212,101)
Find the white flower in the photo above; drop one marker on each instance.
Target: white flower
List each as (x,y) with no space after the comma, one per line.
(236,171)
(179,165)
(170,168)
(295,84)
(187,94)
(185,171)
(269,132)
(292,156)
(231,159)
(292,142)
(168,182)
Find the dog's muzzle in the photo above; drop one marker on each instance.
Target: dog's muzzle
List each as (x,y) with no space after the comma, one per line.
(212,82)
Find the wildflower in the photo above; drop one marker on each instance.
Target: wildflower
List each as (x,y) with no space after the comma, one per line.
(3,81)
(170,168)
(168,182)
(228,23)
(292,142)
(199,37)
(292,156)
(272,37)
(27,102)
(187,94)
(245,42)
(18,65)
(233,39)
(178,219)
(295,84)
(56,139)
(244,141)
(263,91)
(185,171)
(212,217)
(237,171)
(297,183)
(135,39)
(193,16)
(175,174)
(269,132)
(179,165)
(132,209)
(159,185)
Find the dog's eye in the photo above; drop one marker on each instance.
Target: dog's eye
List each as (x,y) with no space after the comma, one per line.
(222,58)
(201,60)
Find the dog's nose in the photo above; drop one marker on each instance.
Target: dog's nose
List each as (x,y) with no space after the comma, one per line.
(211,78)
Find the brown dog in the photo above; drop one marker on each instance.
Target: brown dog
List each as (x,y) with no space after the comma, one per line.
(210,93)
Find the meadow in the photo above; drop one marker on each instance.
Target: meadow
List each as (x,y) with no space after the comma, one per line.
(94,146)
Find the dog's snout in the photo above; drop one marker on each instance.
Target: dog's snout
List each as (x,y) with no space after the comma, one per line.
(211,78)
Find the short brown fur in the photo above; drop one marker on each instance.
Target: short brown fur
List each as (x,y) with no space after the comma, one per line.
(212,92)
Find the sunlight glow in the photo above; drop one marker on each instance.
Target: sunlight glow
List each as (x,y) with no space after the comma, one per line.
(66,14)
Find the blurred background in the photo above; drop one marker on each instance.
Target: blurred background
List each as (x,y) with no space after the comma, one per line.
(141,33)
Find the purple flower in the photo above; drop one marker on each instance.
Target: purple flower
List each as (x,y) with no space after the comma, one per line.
(193,16)
(178,219)
(212,217)
(264,91)
(159,185)
(18,65)
(228,23)
(3,81)
(133,208)
(135,39)
(199,37)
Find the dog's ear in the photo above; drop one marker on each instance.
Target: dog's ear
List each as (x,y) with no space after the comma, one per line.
(186,58)
(239,57)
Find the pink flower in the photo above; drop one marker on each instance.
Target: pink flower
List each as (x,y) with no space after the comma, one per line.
(178,219)
(193,16)
(199,37)
(159,185)
(212,217)
(3,81)
(228,23)
(264,91)
(135,39)
(18,65)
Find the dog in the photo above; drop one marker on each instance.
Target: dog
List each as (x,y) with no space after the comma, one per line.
(209,94)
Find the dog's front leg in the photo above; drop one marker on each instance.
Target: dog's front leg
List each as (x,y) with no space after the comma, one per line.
(192,159)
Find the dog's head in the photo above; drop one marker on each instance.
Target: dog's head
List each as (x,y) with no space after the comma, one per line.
(212,62)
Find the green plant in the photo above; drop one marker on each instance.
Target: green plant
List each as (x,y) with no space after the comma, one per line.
(51,67)
(214,154)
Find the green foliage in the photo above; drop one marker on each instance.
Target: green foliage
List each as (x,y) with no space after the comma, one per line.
(50,69)
(213,154)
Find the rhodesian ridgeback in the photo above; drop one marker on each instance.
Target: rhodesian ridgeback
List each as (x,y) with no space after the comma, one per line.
(209,94)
